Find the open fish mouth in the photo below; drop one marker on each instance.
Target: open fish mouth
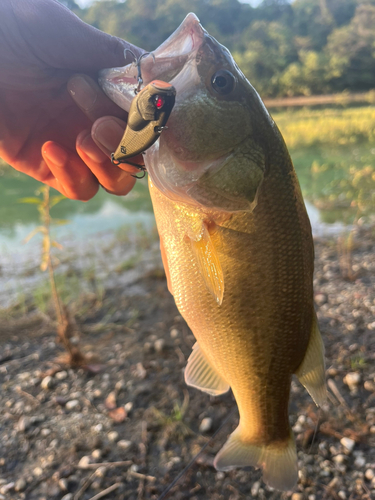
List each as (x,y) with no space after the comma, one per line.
(164,63)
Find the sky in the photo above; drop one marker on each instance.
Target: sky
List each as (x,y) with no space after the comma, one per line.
(85,3)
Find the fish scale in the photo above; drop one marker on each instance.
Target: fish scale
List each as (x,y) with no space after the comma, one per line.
(236,245)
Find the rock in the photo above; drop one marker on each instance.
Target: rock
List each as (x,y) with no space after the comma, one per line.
(7,487)
(23,424)
(47,383)
(68,496)
(128,407)
(73,404)
(297,496)
(38,471)
(124,444)
(369,385)
(174,333)
(348,443)
(45,432)
(113,436)
(205,425)
(96,454)
(352,379)
(372,429)
(110,401)
(339,459)
(312,497)
(341,494)
(255,488)
(369,474)
(61,375)
(360,462)
(140,371)
(84,462)
(159,345)
(320,299)
(63,484)
(20,484)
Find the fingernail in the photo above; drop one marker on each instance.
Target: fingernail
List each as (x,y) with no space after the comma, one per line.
(109,134)
(89,147)
(83,91)
(56,155)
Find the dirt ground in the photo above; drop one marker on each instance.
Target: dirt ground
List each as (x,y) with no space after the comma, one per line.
(125,425)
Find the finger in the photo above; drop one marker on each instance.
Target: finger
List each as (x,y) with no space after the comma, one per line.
(90,98)
(107,133)
(114,180)
(73,177)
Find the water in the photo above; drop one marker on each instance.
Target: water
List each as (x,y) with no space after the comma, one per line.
(106,213)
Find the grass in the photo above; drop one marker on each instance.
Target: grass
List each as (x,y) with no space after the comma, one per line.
(331,126)
(333,151)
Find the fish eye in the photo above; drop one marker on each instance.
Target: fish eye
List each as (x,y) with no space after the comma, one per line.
(223,82)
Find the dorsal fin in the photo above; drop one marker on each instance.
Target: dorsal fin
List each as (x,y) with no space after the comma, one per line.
(209,263)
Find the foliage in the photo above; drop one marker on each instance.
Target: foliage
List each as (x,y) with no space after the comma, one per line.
(298,47)
(333,151)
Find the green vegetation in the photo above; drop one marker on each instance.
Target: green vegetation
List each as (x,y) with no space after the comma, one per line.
(286,48)
(333,151)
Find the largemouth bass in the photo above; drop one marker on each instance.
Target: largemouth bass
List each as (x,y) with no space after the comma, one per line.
(236,244)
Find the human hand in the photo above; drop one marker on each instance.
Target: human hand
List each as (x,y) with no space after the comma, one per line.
(56,125)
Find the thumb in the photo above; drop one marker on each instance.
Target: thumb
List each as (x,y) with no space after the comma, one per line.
(63,41)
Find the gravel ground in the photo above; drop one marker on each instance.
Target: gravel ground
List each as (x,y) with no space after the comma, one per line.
(124,425)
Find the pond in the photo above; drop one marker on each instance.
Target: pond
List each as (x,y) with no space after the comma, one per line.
(333,150)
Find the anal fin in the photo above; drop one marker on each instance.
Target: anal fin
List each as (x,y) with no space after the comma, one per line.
(311,372)
(209,264)
(201,374)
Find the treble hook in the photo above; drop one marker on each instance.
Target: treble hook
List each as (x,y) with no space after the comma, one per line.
(137,62)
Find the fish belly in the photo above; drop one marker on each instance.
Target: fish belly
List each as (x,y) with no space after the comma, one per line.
(257,338)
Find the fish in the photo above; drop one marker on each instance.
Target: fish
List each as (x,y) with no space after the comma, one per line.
(236,244)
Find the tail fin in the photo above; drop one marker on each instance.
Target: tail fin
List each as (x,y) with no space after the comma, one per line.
(279,462)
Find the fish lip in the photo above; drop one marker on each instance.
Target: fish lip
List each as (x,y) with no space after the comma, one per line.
(164,63)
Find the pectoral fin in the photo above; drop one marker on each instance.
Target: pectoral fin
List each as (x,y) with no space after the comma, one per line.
(311,372)
(209,264)
(201,374)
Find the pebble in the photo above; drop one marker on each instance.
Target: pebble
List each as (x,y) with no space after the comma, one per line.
(7,487)
(23,424)
(372,429)
(47,382)
(38,471)
(68,496)
(113,436)
(360,462)
(73,404)
(342,494)
(61,375)
(320,299)
(297,496)
(369,474)
(348,443)
(96,454)
(159,345)
(63,484)
(124,444)
(174,333)
(352,379)
(20,484)
(255,488)
(205,425)
(84,462)
(339,459)
(369,386)
(312,497)
(128,407)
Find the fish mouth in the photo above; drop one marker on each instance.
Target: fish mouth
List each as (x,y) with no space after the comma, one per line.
(164,63)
